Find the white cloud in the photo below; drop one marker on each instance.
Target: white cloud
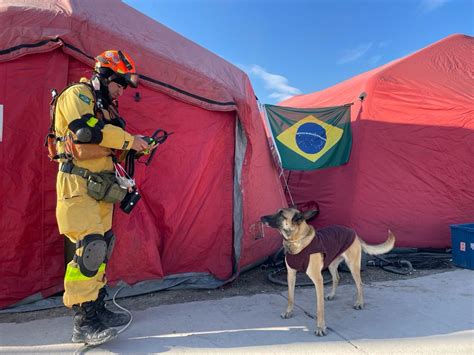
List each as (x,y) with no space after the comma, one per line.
(375,59)
(279,97)
(276,84)
(431,5)
(350,55)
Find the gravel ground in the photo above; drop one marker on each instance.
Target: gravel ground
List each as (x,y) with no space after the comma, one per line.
(251,282)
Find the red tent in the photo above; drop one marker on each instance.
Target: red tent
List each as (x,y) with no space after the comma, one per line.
(412,162)
(198,221)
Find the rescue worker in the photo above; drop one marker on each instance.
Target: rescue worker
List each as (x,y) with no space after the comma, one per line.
(88,133)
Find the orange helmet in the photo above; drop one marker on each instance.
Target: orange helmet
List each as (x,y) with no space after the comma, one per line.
(117,66)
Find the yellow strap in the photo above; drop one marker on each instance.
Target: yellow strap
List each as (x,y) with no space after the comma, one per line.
(74,274)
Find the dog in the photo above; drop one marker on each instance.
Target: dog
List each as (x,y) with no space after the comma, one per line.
(309,250)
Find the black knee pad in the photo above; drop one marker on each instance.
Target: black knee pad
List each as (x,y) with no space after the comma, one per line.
(94,253)
(109,238)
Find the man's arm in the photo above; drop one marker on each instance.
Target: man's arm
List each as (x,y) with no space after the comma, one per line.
(77,105)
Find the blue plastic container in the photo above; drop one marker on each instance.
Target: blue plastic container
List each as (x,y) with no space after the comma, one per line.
(462,239)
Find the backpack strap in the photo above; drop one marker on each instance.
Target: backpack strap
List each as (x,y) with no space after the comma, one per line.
(51,138)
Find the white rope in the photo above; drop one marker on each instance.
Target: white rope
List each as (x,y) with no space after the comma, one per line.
(123,309)
(123,178)
(282,174)
(273,147)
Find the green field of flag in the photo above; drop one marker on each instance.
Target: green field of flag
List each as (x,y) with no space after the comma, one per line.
(308,139)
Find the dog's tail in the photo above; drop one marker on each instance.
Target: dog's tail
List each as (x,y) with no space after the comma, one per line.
(383,248)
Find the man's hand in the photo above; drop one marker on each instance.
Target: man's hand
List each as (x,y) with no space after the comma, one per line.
(139,144)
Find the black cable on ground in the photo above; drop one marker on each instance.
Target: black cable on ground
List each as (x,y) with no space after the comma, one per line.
(404,262)
(400,261)
(401,267)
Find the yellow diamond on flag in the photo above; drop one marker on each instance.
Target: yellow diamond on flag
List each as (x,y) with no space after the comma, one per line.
(310,137)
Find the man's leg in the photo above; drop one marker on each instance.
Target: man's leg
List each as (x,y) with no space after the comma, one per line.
(79,219)
(109,318)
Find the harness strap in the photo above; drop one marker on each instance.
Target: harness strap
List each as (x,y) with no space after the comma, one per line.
(61,156)
(52,138)
(70,168)
(80,244)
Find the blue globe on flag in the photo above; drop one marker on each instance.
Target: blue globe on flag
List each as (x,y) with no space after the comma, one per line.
(310,137)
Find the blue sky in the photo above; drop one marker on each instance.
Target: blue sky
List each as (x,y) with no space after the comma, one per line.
(290,47)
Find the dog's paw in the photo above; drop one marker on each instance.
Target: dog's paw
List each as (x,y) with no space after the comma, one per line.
(329,297)
(321,331)
(286,315)
(358,306)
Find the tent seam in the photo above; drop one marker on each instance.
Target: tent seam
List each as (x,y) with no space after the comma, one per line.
(144,77)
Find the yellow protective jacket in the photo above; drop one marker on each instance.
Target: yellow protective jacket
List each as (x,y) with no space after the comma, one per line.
(74,102)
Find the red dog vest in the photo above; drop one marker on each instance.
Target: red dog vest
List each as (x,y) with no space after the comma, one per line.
(330,241)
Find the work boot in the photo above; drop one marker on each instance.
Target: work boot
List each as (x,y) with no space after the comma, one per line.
(109,318)
(88,328)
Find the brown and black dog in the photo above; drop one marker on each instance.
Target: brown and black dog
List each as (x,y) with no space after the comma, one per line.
(311,251)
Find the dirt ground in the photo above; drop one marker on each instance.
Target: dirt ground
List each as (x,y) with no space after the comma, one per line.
(249,283)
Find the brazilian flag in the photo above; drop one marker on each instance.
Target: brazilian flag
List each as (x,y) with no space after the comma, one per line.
(308,139)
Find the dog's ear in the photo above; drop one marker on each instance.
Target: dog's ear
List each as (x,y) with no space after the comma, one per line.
(310,214)
(298,218)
